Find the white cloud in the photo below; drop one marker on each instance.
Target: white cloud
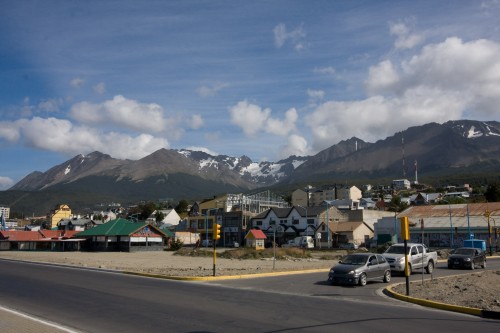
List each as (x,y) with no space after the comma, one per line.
(296,36)
(100,88)
(315,94)
(444,81)
(382,77)
(207,91)
(282,127)
(77,82)
(325,70)
(252,119)
(50,105)
(297,145)
(5,183)
(196,121)
(60,135)
(202,149)
(9,131)
(122,112)
(404,38)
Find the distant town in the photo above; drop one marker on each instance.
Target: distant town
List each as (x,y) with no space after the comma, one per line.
(329,216)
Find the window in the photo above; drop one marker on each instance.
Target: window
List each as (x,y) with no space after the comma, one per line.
(310,221)
(258,222)
(295,221)
(272,222)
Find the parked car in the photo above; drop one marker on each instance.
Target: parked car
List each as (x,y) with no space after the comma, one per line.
(206,243)
(467,257)
(348,246)
(359,268)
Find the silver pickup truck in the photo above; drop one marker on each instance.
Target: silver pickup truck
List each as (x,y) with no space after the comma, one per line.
(419,256)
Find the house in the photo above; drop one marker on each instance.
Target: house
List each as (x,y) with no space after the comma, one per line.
(124,235)
(77,224)
(350,193)
(424,198)
(356,232)
(40,240)
(170,217)
(300,197)
(401,184)
(255,239)
(60,212)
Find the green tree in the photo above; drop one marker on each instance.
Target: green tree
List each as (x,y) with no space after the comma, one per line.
(492,193)
(182,207)
(396,205)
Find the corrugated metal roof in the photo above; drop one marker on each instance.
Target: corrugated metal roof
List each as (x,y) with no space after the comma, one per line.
(453,216)
(118,227)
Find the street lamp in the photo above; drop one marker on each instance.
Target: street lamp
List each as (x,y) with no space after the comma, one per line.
(327,224)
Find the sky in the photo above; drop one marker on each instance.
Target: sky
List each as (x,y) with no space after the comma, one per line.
(265,79)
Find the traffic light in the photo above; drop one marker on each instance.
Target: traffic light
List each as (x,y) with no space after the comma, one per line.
(405,230)
(216,232)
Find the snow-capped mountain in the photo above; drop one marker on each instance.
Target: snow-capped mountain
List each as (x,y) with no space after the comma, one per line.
(441,149)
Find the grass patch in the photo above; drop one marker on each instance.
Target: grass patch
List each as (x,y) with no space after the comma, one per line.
(247,253)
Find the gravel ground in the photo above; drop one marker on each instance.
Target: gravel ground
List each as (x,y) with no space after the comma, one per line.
(480,290)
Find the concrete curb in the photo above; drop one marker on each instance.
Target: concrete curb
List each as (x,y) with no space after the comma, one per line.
(442,306)
(226,277)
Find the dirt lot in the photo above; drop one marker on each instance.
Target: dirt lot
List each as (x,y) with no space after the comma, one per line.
(480,289)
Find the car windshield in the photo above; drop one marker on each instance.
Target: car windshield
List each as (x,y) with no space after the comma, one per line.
(464,251)
(354,259)
(397,249)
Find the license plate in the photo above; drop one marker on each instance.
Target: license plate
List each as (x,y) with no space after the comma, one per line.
(456,262)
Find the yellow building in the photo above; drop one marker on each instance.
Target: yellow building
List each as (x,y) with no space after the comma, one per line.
(61,211)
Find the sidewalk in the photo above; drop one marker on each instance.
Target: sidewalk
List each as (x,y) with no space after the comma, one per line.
(16,322)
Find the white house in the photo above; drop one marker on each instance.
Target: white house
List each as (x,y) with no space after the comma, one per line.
(170,217)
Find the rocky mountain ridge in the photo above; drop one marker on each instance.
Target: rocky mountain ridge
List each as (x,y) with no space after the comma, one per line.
(439,149)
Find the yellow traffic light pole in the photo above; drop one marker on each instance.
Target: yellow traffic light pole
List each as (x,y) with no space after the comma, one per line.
(405,235)
(215,236)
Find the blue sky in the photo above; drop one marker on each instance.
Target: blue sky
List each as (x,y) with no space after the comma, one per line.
(266,79)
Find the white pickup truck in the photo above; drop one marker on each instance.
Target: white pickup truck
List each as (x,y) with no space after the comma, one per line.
(419,256)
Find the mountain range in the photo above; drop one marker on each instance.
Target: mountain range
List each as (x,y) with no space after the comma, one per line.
(459,150)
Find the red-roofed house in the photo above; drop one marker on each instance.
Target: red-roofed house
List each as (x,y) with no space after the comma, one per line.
(52,240)
(255,238)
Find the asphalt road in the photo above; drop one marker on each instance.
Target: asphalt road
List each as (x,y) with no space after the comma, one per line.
(94,301)
(315,284)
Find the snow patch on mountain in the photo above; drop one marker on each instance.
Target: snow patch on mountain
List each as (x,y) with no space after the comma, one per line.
(472,133)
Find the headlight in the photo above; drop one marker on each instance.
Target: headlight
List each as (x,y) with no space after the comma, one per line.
(332,271)
(352,272)
(402,259)
(467,259)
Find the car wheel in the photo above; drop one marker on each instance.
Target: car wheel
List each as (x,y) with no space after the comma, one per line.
(362,280)
(484,264)
(472,266)
(387,276)
(430,267)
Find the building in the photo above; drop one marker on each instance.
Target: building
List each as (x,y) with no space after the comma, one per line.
(124,235)
(317,196)
(401,184)
(233,212)
(5,211)
(59,213)
(444,225)
(350,193)
(255,239)
(170,217)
